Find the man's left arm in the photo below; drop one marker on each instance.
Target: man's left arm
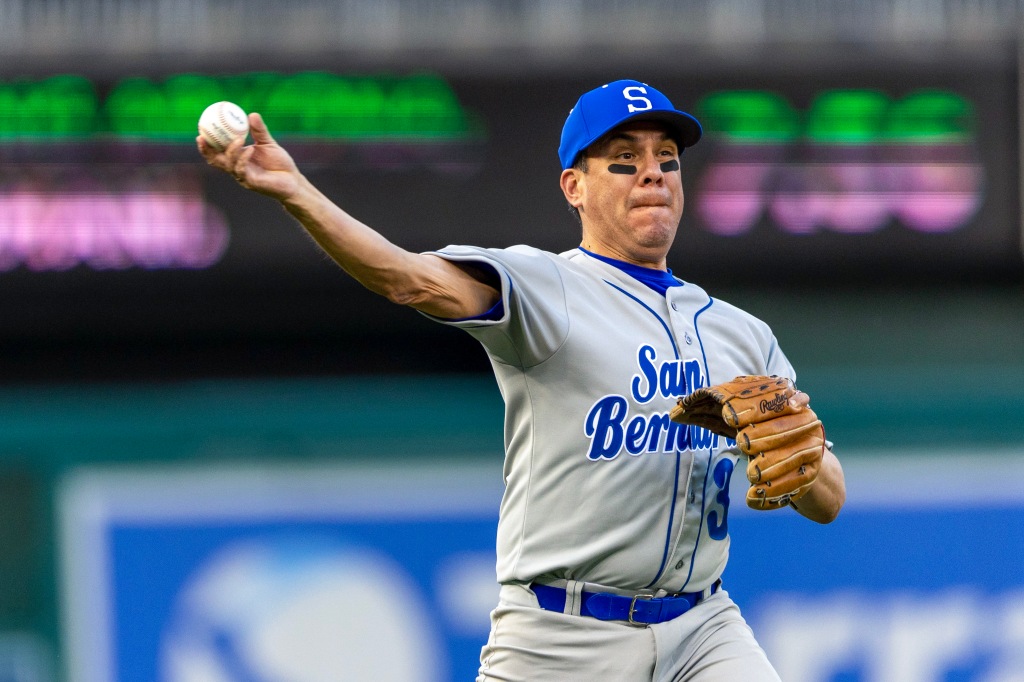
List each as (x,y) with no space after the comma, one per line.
(826,496)
(790,463)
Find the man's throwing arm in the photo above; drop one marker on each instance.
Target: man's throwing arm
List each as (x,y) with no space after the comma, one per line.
(424,282)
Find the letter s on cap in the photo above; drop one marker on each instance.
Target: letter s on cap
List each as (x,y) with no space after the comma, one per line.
(629,93)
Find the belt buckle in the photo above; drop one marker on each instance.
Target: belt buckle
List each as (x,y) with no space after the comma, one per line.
(632,607)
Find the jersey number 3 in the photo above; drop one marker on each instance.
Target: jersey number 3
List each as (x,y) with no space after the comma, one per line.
(718,515)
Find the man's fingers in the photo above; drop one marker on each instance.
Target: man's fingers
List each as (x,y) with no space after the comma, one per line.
(223,159)
(258,129)
(208,152)
(799,401)
(233,152)
(241,162)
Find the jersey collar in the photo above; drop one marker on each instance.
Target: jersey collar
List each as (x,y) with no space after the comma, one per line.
(659,280)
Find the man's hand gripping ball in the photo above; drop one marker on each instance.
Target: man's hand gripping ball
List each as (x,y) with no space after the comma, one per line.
(772,424)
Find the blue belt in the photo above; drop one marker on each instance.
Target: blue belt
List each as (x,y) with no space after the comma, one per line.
(640,609)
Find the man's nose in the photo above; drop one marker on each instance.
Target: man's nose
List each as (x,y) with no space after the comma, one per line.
(650,171)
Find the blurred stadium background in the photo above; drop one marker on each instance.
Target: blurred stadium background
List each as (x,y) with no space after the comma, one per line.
(222,461)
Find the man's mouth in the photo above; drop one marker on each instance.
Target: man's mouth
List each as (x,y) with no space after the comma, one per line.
(651,200)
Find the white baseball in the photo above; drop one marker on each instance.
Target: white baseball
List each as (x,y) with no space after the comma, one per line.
(221,123)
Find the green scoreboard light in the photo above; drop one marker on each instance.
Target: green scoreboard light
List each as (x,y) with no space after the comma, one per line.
(852,161)
(838,116)
(914,173)
(104,174)
(317,105)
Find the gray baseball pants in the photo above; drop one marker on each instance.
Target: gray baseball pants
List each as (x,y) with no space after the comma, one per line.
(709,643)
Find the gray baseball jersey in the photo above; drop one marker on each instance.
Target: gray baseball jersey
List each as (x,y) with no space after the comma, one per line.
(600,485)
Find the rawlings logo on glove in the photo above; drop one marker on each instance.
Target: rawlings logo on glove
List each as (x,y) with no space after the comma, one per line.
(772,424)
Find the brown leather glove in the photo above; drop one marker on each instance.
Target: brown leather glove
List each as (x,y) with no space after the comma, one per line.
(772,424)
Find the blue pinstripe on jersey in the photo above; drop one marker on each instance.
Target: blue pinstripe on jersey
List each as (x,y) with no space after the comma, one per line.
(707,469)
(675,484)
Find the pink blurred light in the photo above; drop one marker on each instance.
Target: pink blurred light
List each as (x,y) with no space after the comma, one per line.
(800,212)
(850,198)
(937,212)
(729,196)
(938,197)
(860,204)
(151,229)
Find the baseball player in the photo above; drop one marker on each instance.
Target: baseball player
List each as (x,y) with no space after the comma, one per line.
(631,397)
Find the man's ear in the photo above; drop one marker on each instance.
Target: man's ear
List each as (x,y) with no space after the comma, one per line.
(573,185)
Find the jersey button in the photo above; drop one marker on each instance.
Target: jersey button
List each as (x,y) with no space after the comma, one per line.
(680,564)
(674,306)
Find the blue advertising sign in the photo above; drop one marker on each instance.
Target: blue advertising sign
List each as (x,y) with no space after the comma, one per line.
(920,579)
(355,573)
(234,576)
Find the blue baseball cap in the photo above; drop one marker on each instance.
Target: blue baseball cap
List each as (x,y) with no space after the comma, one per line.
(611,105)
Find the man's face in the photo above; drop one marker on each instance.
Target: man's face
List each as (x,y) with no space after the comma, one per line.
(631,196)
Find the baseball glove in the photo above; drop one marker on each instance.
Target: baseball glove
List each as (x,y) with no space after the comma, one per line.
(773,425)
